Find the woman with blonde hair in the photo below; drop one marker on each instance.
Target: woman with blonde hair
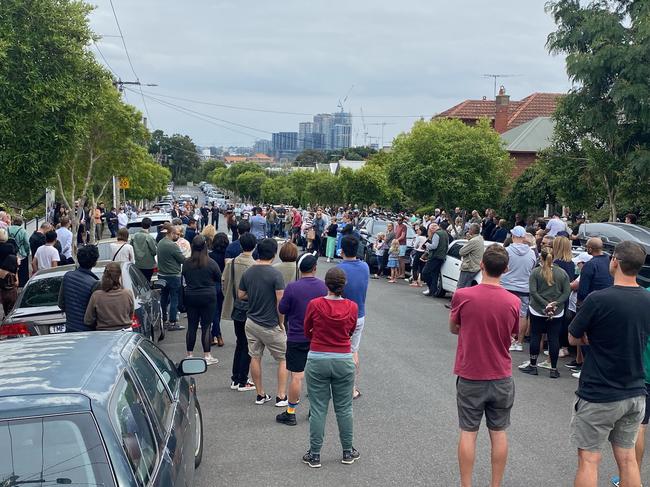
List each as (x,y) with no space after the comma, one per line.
(564,260)
(549,291)
(111,307)
(209,231)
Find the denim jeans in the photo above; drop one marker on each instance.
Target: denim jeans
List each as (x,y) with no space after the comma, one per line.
(169,297)
(216,320)
(270,229)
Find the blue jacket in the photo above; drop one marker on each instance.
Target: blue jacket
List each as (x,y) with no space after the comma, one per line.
(76,288)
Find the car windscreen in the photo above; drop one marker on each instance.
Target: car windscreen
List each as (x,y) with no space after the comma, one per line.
(41,292)
(65,449)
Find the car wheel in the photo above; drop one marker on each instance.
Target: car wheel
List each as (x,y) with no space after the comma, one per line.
(198,434)
(439,292)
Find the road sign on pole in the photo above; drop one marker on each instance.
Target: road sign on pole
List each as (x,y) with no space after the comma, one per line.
(125,183)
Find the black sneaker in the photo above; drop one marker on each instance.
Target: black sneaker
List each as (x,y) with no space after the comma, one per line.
(572,365)
(286,418)
(349,456)
(311,459)
(262,399)
(554,374)
(529,369)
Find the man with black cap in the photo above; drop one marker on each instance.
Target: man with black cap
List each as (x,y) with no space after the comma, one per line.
(293,306)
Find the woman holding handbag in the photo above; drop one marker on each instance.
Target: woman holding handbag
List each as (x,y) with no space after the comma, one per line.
(234,309)
(122,251)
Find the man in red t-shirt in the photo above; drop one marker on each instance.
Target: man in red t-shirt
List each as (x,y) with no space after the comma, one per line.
(485,317)
(296,223)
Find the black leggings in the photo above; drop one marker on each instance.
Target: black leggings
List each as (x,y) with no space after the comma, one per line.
(200,308)
(538,326)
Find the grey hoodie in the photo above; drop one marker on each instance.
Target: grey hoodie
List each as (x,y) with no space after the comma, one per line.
(521,264)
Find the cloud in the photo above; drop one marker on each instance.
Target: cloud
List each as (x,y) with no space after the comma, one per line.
(409,57)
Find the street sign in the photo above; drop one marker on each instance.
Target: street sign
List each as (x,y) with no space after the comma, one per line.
(124,183)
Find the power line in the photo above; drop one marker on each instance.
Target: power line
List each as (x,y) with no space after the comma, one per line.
(128,57)
(264,110)
(104,59)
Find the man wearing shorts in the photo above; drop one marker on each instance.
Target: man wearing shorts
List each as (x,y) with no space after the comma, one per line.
(357,275)
(293,306)
(262,286)
(522,261)
(400,236)
(611,395)
(484,317)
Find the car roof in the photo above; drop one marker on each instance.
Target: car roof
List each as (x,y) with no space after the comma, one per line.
(63,269)
(65,370)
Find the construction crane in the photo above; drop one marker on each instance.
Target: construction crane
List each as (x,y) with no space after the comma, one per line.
(347,95)
(497,76)
(365,129)
(383,124)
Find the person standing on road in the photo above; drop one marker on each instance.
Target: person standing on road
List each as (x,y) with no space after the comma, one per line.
(293,306)
(271,222)
(201,275)
(595,275)
(230,277)
(318,224)
(215,215)
(287,265)
(111,306)
(485,317)
(8,273)
(122,219)
(258,224)
(296,225)
(262,286)
(144,249)
(218,254)
(122,251)
(549,291)
(400,236)
(522,261)
(77,287)
(611,393)
(437,254)
(64,236)
(472,254)
(190,231)
(19,235)
(330,368)
(111,219)
(37,239)
(170,259)
(390,235)
(331,231)
(235,247)
(47,256)
(357,276)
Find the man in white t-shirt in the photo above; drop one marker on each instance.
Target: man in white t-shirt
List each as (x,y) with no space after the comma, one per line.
(46,256)
(122,219)
(64,236)
(555,225)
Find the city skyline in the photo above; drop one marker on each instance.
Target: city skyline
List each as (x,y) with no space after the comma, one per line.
(275,66)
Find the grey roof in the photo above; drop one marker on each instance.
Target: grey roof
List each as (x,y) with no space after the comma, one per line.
(532,136)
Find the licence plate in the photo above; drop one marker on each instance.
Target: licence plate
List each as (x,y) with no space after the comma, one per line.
(57,329)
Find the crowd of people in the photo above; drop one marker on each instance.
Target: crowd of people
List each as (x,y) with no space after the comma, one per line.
(534,289)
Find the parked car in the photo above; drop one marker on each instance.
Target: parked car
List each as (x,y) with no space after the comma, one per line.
(97,408)
(157,218)
(37,312)
(370,228)
(614,233)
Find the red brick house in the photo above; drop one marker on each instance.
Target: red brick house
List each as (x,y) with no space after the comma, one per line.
(506,116)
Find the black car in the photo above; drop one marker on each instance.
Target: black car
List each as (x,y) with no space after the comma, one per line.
(97,408)
(370,228)
(37,311)
(614,233)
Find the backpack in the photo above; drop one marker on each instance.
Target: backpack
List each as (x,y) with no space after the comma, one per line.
(12,241)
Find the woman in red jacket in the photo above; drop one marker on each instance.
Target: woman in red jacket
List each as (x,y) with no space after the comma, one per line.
(329,323)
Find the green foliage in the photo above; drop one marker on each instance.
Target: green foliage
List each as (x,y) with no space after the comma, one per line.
(366,186)
(227,178)
(448,163)
(278,190)
(46,89)
(530,193)
(604,122)
(148,179)
(249,184)
(176,152)
(310,157)
(323,188)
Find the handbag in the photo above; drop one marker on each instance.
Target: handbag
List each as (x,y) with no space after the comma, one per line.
(239,306)
(8,280)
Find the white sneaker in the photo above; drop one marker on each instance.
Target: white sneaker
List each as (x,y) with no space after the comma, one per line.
(426,292)
(563,353)
(545,364)
(248,387)
(281,403)
(576,375)
(329,260)
(516,347)
(524,365)
(211,360)
(234,386)
(546,352)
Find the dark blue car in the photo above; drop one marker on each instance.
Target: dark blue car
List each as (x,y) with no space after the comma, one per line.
(97,409)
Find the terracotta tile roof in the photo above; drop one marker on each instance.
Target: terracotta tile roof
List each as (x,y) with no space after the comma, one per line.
(531,107)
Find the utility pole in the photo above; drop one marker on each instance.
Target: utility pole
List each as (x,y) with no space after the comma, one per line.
(119,84)
(496,76)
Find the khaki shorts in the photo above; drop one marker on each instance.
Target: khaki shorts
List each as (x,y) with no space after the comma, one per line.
(260,337)
(595,423)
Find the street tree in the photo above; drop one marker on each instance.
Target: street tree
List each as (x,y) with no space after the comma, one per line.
(176,152)
(445,162)
(324,188)
(278,190)
(604,122)
(366,186)
(249,185)
(43,101)
(148,179)
(309,158)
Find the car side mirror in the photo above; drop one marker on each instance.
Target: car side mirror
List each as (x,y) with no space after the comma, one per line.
(159,284)
(192,366)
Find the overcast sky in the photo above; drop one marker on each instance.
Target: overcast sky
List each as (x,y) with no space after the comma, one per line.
(409,57)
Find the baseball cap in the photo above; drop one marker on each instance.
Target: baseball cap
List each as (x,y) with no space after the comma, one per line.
(583,258)
(518,231)
(307,263)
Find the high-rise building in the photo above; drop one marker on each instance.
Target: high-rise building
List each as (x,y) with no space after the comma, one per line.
(342,136)
(305,129)
(263,146)
(323,124)
(285,143)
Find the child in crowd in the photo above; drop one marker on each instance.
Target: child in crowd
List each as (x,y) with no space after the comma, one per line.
(380,249)
(393,260)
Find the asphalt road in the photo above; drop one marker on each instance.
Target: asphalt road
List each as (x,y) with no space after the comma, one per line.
(405,423)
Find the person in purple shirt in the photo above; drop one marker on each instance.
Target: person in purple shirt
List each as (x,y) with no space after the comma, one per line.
(293,306)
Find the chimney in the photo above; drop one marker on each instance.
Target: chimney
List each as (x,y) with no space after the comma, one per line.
(502,111)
